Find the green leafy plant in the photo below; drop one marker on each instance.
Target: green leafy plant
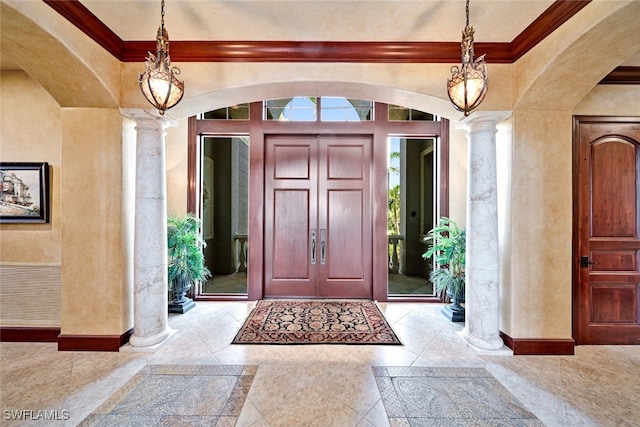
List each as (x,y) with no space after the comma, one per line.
(186,259)
(446,243)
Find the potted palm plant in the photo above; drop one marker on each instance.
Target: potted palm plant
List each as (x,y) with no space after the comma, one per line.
(186,260)
(446,243)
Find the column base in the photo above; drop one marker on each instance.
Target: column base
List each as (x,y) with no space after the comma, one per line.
(151,343)
(485,347)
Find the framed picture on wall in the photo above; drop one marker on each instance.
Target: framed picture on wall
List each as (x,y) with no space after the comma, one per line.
(24,192)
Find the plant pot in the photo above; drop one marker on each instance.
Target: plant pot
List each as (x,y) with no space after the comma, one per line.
(181,304)
(454,311)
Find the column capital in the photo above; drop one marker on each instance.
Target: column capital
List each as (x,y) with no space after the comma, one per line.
(483,120)
(148,117)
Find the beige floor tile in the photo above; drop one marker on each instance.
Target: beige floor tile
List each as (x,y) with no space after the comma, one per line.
(276,385)
(314,405)
(249,415)
(377,416)
(327,385)
(354,385)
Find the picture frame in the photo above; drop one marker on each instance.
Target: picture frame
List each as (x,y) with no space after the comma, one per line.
(24,192)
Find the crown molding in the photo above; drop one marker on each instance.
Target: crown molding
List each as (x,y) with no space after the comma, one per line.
(309,51)
(77,14)
(623,76)
(557,14)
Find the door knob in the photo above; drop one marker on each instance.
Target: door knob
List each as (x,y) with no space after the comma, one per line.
(584,261)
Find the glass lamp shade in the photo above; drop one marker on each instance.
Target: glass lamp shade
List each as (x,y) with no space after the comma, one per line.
(161,88)
(467,86)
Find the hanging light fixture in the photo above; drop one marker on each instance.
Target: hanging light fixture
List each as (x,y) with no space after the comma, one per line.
(467,86)
(159,83)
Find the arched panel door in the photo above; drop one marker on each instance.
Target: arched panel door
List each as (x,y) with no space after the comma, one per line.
(608,258)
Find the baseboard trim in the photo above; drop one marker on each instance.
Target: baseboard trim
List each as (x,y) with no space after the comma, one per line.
(539,346)
(65,342)
(93,342)
(29,334)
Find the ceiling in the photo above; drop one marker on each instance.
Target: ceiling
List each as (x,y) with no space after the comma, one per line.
(496,22)
(318,20)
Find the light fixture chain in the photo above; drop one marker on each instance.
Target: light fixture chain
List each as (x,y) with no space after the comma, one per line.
(466,10)
(162,13)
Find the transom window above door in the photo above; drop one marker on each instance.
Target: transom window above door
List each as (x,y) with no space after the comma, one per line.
(309,108)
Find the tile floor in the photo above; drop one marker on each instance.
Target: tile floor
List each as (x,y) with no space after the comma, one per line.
(324,385)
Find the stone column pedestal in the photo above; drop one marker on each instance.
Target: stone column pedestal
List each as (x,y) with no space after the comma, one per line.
(482,299)
(150,313)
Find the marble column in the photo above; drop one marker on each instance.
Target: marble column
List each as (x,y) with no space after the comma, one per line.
(150,299)
(482,298)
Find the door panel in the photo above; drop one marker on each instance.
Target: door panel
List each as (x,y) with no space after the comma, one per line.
(608,234)
(290,209)
(613,197)
(344,219)
(344,210)
(291,214)
(318,216)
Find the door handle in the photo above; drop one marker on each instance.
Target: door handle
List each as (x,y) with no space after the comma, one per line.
(584,261)
(313,246)
(323,252)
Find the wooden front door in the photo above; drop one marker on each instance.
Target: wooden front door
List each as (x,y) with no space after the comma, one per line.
(318,229)
(607,301)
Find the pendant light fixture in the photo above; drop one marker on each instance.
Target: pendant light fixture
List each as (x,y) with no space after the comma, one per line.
(467,86)
(159,83)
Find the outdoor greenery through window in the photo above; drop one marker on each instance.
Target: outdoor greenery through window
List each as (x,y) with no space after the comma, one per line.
(234,112)
(399,113)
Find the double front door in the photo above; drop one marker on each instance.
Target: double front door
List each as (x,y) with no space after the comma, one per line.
(318,229)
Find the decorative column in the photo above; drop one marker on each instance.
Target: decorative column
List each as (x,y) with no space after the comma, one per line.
(482,298)
(150,300)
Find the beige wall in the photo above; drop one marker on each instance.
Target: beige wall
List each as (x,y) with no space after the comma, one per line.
(30,131)
(30,254)
(610,100)
(70,272)
(458,175)
(536,252)
(176,151)
(93,282)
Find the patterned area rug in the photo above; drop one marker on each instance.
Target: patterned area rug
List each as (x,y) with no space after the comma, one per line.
(415,396)
(316,322)
(170,395)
